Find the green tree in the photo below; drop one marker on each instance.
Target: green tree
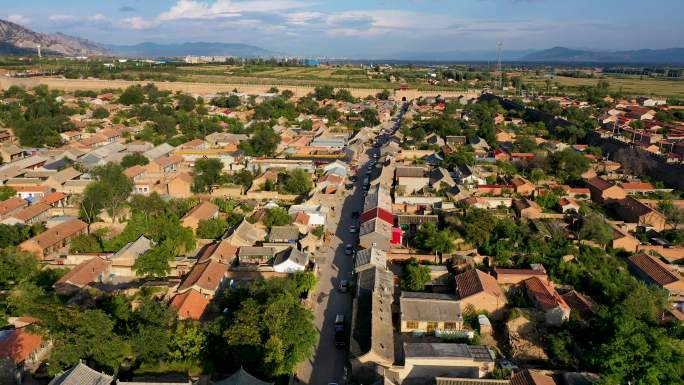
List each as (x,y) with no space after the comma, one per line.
(673,214)
(297,182)
(211,228)
(324,92)
(132,95)
(16,267)
(277,216)
(92,202)
(6,192)
(134,159)
(186,102)
(383,95)
(154,263)
(114,187)
(370,116)
(100,113)
(594,228)
(85,243)
(263,142)
(415,276)
(287,94)
(568,164)
(208,172)
(188,342)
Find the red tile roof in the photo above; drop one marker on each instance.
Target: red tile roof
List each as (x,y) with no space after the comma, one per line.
(52,198)
(474,281)
(545,296)
(19,345)
(207,275)
(531,377)
(11,204)
(84,273)
(190,305)
(377,213)
(654,269)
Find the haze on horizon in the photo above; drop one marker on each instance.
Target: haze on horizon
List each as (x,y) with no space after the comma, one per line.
(363,28)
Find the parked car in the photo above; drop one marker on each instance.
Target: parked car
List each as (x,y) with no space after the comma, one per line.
(355,214)
(344,286)
(349,249)
(340,338)
(353,229)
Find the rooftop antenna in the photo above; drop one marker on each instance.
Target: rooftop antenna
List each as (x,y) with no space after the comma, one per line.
(498,66)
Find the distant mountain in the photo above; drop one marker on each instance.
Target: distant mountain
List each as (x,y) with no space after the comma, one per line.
(477,55)
(18,40)
(183,49)
(562,54)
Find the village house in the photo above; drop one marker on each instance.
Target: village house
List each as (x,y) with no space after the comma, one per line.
(54,240)
(602,191)
(546,298)
(512,277)
(653,271)
(94,270)
(479,291)
(21,352)
(428,360)
(526,208)
(632,210)
(428,313)
(202,212)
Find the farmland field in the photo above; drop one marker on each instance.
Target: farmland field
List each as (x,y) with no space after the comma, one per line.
(629,85)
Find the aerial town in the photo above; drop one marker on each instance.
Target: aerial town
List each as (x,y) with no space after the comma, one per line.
(455,224)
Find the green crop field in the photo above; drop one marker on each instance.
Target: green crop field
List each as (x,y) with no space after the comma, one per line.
(628,85)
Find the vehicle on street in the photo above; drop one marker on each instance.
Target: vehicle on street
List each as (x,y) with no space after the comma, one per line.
(340,339)
(353,229)
(344,286)
(355,214)
(349,249)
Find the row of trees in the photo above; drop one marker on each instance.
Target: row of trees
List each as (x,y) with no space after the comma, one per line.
(264,328)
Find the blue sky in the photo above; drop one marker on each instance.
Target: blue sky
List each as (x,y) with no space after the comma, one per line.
(370,28)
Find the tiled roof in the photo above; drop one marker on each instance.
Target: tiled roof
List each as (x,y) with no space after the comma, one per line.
(578,301)
(169,160)
(31,212)
(81,375)
(190,304)
(84,273)
(475,281)
(634,206)
(18,344)
(202,211)
(207,275)
(58,233)
(11,205)
(429,307)
(599,183)
(545,296)
(241,377)
(530,377)
(52,198)
(654,269)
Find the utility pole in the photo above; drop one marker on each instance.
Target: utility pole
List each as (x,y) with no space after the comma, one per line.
(498,66)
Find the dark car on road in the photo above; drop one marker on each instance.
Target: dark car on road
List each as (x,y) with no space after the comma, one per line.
(344,286)
(340,337)
(348,249)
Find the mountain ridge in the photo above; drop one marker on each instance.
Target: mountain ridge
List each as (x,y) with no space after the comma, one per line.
(16,39)
(564,54)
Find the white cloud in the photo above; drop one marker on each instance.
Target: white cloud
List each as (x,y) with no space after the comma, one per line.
(139,23)
(65,19)
(19,19)
(193,9)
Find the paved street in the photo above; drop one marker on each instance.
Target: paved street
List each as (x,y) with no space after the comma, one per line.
(334,265)
(327,364)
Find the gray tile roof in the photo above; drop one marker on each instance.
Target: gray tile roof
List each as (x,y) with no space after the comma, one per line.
(430,307)
(81,374)
(447,350)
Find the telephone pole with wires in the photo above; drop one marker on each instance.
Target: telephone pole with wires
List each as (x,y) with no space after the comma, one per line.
(499,47)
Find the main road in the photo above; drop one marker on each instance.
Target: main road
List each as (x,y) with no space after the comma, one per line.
(329,361)
(327,364)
